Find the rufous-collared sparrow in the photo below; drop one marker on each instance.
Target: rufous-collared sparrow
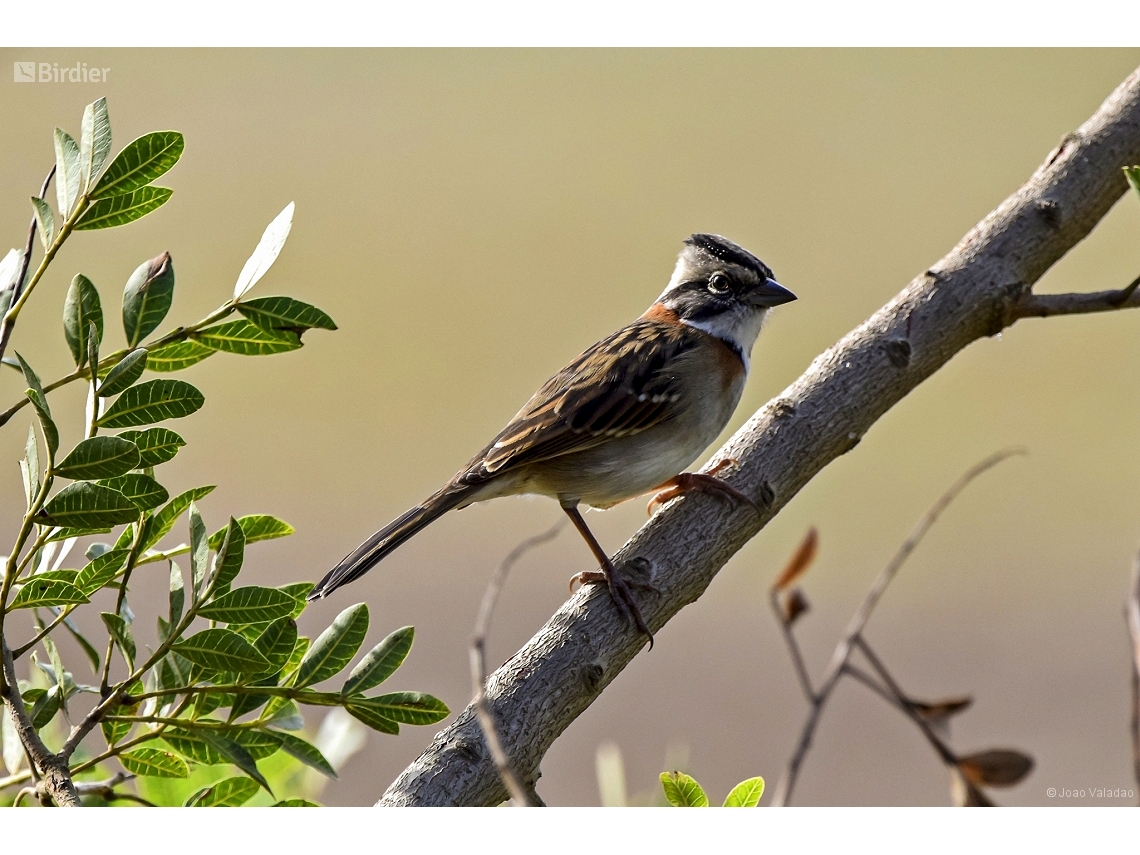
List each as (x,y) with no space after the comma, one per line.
(625,417)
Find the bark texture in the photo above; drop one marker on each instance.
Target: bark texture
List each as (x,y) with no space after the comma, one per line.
(982,286)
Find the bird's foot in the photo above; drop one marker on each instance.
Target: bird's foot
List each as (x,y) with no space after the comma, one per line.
(620,590)
(706,482)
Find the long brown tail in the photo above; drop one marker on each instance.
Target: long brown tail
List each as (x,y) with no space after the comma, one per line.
(368,554)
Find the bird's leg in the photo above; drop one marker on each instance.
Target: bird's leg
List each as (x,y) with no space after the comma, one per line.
(619,588)
(706,482)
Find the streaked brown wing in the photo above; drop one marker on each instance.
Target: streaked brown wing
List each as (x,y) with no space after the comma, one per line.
(621,386)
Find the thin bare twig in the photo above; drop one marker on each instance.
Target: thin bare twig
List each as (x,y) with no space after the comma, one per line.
(1133,614)
(842,654)
(1047,305)
(521,796)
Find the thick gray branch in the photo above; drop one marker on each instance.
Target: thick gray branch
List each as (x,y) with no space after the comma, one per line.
(980,287)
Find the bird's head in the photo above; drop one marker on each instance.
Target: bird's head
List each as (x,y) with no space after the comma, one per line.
(723,289)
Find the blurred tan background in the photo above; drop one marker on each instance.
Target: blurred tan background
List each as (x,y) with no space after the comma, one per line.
(473,219)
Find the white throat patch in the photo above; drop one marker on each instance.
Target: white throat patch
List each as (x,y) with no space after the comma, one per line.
(740,328)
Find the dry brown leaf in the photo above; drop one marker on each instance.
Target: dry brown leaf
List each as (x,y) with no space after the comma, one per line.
(997,767)
(794,605)
(936,711)
(799,562)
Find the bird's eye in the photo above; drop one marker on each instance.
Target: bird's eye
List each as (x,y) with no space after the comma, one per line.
(718,284)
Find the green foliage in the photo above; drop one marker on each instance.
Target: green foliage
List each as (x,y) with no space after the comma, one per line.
(683,791)
(211,712)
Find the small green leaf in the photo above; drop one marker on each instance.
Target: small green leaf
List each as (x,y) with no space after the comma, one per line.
(276,643)
(123,375)
(120,210)
(380,662)
(101,570)
(66,172)
(154,763)
(65,533)
(231,792)
(177,355)
(295,803)
(746,794)
(335,647)
(177,594)
(45,708)
(143,490)
(139,163)
(405,707)
(30,467)
(285,714)
(153,401)
(199,551)
(147,297)
(191,745)
(162,522)
(99,457)
(45,221)
(247,339)
(87,505)
(236,754)
(36,395)
(266,252)
(308,754)
(366,714)
(81,307)
(94,143)
(155,445)
(285,313)
(1132,173)
(121,633)
(222,650)
(231,554)
(249,605)
(255,527)
(683,791)
(58,671)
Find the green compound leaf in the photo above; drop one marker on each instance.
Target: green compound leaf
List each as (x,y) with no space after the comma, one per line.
(683,791)
(222,650)
(247,339)
(35,393)
(249,605)
(307,753)
(142,490)
(162,522)
(335,647)
(139,163)
(80,308)
(38,593)
(123,375)
(276,643)
(255,527)
(87,505)
(231,792)
(155,445)
(153,401)
(405,707)
(99,457)
(120,210)
(362,712)
(66,173)
(285,313)
(380,662)
(177,355)
(746,793)
(120,631)
(154,763)
(45,221)
(231,554)
(101,570)
(94,143)
(147,297)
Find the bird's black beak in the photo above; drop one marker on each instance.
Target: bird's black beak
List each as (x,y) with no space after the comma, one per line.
(771,293)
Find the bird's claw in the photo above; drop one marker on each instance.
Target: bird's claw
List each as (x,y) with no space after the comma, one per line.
(706,482)
(620,591)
